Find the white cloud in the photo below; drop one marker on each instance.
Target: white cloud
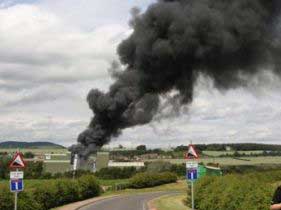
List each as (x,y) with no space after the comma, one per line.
(46,65)
(53,52)
(39,45)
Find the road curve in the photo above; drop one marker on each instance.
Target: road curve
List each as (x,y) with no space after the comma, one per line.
(128,202)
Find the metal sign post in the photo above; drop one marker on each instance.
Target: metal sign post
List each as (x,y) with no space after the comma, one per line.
(192,175)
(16,197)
(16,200)
(16,177)
(16,184)
(192,195)
(192,170)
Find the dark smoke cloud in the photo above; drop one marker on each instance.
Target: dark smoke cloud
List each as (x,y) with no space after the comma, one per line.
(174,42)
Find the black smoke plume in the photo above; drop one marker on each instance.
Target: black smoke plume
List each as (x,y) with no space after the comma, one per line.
(174,42)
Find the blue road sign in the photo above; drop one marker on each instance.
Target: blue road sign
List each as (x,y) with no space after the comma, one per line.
(192,174)
(16,185)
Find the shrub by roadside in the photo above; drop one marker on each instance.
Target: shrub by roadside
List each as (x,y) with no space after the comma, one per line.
(116,173)
(52,194)
(143,180)
(6,198)
(88,187)
(252,191)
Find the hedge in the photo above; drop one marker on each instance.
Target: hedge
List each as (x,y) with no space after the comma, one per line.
(51,194)
(252,191)
(143,180)
(116,173)
(6,198)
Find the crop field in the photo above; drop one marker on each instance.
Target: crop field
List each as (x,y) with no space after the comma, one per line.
(219,153)
(229,161)
(54,167)
(37,151)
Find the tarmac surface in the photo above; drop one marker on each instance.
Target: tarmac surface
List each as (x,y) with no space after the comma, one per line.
(128,202)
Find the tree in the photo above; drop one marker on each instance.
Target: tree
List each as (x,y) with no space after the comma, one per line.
(28,155)
(141,148)
(4,166)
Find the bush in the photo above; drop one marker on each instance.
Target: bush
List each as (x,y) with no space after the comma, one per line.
(180,170)
(252,191)
(67,191)
(46,175)
(27,202)
(143,180)
(63,191)
(45,194)
(33,170)
(116,173)
(78,173)
(88,187)
(28,155)
(158,166)
(51,194)
(6,198)
(4,166)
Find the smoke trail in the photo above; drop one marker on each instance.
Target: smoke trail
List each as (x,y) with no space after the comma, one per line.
(174,42)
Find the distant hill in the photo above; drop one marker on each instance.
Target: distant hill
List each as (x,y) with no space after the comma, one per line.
(29,145)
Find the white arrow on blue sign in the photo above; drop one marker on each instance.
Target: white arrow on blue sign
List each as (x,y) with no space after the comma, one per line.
(16,185)
(192,174)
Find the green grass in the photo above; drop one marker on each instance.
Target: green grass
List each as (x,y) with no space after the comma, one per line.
(230,161)
(218,153)
(57,167)
(180,186)
(112,182)
(40,151)
(176,202)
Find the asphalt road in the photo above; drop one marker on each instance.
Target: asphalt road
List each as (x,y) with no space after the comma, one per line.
(130,202)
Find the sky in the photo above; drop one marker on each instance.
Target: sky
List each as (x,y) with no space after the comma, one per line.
(52,52)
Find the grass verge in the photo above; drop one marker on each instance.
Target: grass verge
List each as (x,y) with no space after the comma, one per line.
(174,202)
(179,186)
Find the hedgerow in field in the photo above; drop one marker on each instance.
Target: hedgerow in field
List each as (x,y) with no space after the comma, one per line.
(236,192)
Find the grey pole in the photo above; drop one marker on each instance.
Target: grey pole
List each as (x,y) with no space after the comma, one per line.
(192,195)
(16,200)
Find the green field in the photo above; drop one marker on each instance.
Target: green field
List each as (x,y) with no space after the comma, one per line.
(37,151)
(228,161)
(55,167)
(60,159)
(219,153)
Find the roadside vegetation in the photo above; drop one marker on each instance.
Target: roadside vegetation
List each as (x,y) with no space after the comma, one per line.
(50,194)
(47,194)
(252,191)
(143,180)
(251,174)
(175,202)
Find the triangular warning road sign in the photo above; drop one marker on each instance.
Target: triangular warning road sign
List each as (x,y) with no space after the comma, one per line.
(17,161)
(191,153)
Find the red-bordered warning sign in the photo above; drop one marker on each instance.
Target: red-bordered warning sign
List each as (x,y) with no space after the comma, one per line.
(17,161)
(191,153)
